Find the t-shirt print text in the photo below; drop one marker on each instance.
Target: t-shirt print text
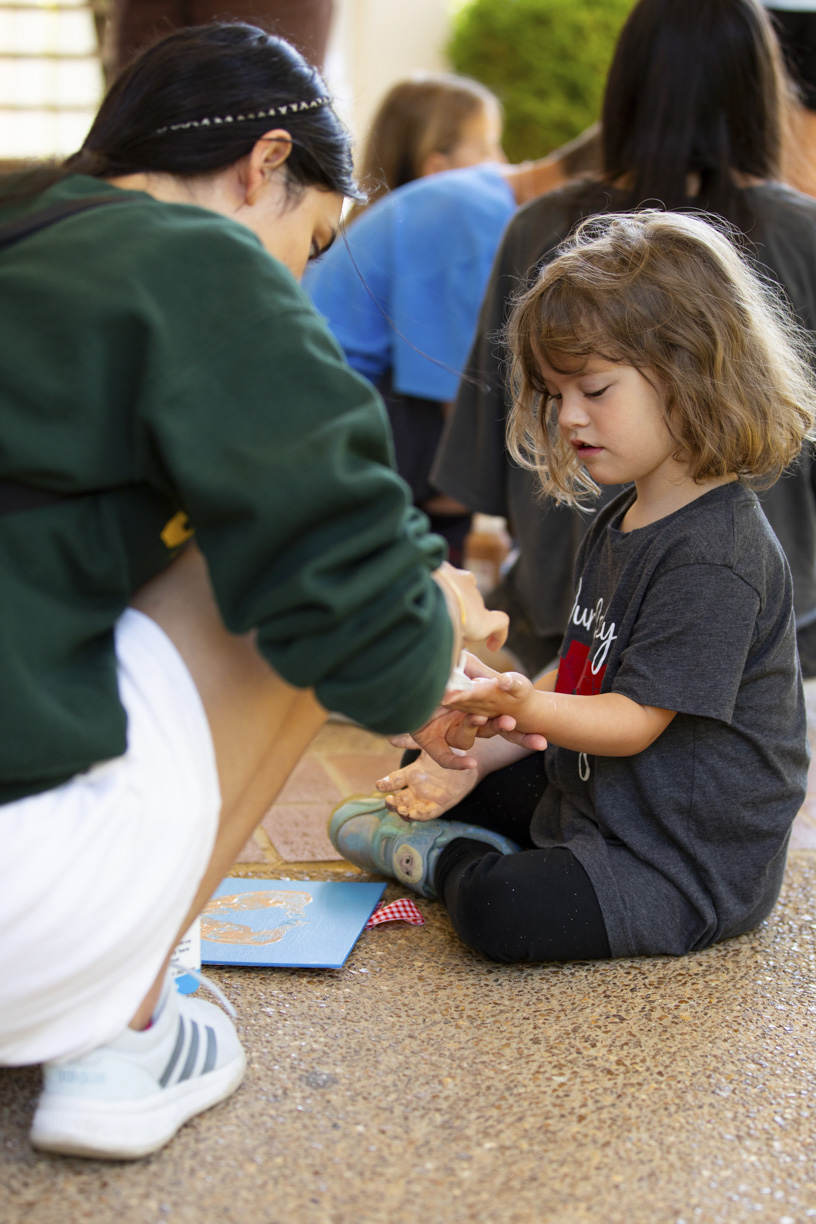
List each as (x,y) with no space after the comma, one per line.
(581,671)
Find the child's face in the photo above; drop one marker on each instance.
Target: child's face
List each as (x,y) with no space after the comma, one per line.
(614,419)
(479,141)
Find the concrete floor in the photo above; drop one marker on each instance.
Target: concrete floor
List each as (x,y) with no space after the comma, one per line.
(420,1082)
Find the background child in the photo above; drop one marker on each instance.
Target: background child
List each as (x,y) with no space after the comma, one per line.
(657,820)
(430,122)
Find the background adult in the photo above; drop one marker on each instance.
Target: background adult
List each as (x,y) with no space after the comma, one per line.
(693,118)
(795,25)
(165,372)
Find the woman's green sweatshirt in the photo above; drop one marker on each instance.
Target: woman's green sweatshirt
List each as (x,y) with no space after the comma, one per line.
(154,360)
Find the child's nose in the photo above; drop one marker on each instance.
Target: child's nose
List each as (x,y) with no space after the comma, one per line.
(571,412)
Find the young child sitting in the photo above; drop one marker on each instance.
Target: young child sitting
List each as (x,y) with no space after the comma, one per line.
(657,820)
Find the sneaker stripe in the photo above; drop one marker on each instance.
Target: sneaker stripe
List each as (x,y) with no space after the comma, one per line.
(187,1070)
(212,1051)
(174,1057)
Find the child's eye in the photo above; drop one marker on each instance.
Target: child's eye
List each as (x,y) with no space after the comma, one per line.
(595,394)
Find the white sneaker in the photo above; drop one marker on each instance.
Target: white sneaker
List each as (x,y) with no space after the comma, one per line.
(128,1098)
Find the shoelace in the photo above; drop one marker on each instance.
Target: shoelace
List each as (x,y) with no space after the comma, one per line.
(213,988)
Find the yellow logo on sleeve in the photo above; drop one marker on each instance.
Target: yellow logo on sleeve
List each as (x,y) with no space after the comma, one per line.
(176,531)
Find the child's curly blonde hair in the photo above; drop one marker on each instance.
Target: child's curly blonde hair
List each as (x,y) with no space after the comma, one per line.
(669,294)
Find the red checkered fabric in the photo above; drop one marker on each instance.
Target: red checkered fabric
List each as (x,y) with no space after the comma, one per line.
(403,910)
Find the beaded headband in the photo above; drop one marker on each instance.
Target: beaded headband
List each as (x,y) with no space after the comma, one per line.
(289,108)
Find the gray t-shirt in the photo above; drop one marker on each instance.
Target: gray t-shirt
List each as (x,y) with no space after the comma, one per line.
(685,842)
(472,463)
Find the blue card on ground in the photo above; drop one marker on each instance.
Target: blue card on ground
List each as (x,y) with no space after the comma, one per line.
(288,923)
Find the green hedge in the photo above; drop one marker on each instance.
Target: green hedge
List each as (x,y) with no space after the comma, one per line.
(546,59)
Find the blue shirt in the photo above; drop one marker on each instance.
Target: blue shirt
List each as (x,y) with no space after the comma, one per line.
(402,291)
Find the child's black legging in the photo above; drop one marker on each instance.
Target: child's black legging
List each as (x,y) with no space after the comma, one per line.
(538,905)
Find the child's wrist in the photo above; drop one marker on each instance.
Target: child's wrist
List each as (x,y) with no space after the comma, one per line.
(529,718)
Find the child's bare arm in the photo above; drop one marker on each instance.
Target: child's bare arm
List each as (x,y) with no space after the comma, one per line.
(607,724)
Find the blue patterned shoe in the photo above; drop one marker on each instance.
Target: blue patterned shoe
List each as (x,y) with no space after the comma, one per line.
(367,834)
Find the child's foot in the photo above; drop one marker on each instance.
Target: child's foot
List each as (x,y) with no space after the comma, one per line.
(368,835)
(128,1098)
(424,790)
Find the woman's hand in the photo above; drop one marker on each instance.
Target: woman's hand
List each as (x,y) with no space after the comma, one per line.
(446,737)
(449,734)
(476,622)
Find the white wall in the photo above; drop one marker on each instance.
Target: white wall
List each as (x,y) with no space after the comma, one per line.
(376,42)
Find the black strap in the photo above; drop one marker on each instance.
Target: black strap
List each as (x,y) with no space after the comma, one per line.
(13,495)
(32,223)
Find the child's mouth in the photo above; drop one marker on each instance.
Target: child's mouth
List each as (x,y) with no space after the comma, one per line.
(584,448)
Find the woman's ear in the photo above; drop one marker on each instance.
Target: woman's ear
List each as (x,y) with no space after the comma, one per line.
(267,155)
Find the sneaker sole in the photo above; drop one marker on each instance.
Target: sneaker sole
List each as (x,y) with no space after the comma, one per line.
(128,1130)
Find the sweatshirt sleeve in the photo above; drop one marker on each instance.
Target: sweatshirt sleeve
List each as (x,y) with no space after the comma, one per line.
(281,456)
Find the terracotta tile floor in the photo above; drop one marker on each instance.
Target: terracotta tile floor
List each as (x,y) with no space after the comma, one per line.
(342,760)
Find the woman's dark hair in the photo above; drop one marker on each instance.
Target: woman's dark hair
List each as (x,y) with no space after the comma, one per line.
(215,72)
(696,87)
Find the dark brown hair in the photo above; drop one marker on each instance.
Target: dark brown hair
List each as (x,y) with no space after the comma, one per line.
(696,88)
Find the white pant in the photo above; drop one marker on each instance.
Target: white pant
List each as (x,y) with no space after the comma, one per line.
(97,875)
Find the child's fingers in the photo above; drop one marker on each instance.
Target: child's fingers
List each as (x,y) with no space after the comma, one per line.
(512,682)
(393,781)
(479,689)
(470,704)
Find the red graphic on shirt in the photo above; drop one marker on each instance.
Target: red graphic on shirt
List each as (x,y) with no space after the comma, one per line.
(575,673)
